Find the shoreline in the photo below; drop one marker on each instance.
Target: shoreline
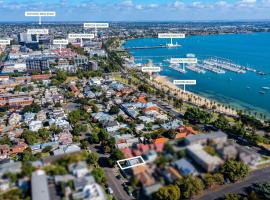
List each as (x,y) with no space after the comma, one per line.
(164,83)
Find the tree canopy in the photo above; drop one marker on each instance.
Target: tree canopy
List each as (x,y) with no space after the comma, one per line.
(169,192)
(235,170)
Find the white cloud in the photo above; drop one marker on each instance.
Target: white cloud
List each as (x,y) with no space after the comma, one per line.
(247,3)
(152,5)
(178,4)
(127,3)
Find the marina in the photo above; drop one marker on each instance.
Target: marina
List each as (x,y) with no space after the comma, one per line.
(176,67)
(195,69)
(225,65)
(211,68)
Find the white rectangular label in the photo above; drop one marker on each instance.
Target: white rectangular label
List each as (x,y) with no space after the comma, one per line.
(185,82)
(4,42)
(64,42)
(140,161)
(40,14)
(83,35)
(151,69)
(184,60)
(171,35)
(38,31)
(96,25)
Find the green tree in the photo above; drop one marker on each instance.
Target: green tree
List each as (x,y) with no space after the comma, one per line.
(30,137)
(47,149)
(169,134)
(13,194)
(17,88)
(232,197)
(114,110)
(169,148)
(34,108)
(92,158)
(170,192)
(190,186)
(213,179)
(55,169)
(117,154)
(44,134)
(27,155)
(221,123)
(27,169)
(197,115)
(94,138)
(210,150)
(103,135)
(235,170)
(74,116)
(99,175)
(84,144)
(79,128)
(5,140)
(11,176)
(262,190)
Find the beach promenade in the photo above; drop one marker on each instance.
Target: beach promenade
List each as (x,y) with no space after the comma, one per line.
(163,83)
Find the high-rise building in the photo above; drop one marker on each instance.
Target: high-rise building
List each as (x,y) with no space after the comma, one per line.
(37,64)
(29,41)
(80,60)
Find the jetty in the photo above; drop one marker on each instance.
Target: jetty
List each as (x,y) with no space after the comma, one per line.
(147,47)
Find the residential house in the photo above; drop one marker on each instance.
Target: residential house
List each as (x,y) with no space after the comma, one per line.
(184,131)
(4,152)
(28,117)
(111,126)
(171,175)
(78,169)
(151,156)
(87,189)
(172,124)
(248,156)
(35,125)
(185,167)
(206,161)
(143,174)
(12,167)
(41,116)
(65,149)
(65,137)
(216,137)
(228,152)
(14,119)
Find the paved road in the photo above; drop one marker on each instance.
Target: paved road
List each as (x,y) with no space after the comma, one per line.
(255,177)
(118,191)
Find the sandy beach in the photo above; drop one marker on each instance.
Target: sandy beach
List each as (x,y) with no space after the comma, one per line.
(164,83)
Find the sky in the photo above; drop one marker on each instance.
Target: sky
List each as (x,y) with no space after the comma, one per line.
(137,10)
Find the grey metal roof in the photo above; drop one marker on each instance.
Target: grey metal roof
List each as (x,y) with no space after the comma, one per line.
(209,136)
(39,185)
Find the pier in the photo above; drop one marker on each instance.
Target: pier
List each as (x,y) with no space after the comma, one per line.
(146,47)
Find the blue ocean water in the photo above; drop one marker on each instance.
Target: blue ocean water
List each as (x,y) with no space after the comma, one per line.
(238,90)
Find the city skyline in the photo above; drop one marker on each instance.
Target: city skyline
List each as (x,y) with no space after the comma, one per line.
(138,10)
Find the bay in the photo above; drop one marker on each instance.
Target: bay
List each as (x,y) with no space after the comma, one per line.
(238,90)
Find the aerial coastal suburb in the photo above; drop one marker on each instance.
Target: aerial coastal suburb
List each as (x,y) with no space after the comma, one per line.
(135,100)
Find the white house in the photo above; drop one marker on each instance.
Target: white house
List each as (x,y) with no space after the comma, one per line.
(35,125)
